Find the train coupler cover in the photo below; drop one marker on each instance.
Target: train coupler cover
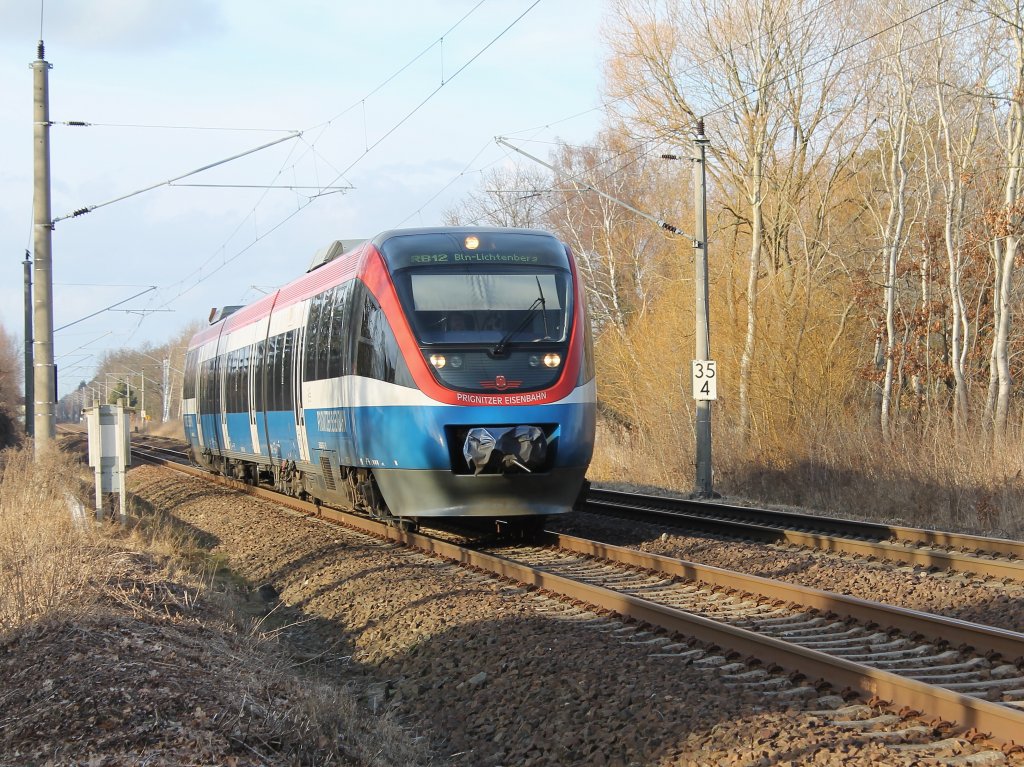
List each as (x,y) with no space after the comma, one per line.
(495,450)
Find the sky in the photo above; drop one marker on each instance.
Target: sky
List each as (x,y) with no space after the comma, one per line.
(169,88)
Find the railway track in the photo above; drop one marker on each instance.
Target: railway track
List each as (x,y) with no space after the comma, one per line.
(992,557)
(947,669)
(998,558)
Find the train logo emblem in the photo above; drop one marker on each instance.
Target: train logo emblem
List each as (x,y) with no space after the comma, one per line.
(501,384)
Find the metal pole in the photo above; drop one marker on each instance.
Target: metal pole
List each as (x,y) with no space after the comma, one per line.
(30,373)
(165,414)
(704,488)
(45,419)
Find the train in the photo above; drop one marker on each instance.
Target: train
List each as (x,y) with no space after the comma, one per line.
(424,373)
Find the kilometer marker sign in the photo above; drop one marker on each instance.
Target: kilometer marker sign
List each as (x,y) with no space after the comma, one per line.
(705,380)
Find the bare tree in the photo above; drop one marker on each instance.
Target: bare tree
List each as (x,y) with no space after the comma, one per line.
(1006,239)
(10,387)
(895,101)
(774,128)
(960,67)
(621,256)
(505,197)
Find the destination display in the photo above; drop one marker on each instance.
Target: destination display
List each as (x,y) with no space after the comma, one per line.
(403,251)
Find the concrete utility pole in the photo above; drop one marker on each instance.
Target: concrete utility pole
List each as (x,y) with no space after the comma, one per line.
(702,353)
(30,373)
(45,378)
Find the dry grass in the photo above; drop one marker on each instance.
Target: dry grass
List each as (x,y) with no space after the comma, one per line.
(152,609)
(48,564)
(927,477)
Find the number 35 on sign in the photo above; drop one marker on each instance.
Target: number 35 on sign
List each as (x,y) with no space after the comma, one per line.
(705,380)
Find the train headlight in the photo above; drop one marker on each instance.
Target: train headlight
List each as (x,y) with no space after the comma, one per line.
(438,361)
(455,361)
(552,360)
(472,242)
(534,360)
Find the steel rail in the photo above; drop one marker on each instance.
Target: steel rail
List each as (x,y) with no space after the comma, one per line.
(811,522)
(1000,722)
(770,526)
(983,639)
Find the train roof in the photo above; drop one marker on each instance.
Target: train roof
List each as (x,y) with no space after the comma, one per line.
(335,263)
(383,236)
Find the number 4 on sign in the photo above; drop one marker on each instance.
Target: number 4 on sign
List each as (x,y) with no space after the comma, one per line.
(705,380)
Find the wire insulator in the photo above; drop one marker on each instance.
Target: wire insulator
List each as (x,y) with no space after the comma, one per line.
(40,53)
(77,123)
(80,212)
(669,227)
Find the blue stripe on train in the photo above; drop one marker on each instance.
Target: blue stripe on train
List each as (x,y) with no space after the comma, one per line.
(401,437)
(414,437)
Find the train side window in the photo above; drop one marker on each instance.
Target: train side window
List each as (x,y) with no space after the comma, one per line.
(377,353)
(337,364)
(319,330)
(366,362)
(189,384)
(259,366)
(236,381)
(231,403)
(324,330)
(227,362)
(270,380)
(245,358)
(283,376)
(220,374)
(312,337)
(207,386)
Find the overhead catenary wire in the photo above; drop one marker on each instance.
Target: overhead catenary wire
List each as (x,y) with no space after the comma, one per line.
(105,309)
(667,134)
(661,223)
(169,182)
(645,146)
(340,174)
(326,189)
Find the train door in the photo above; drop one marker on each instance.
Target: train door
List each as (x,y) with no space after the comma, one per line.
(208,407)
(296,372)
(221,364)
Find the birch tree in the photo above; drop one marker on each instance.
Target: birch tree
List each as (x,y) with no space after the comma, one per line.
(897,90)
(960,67)
(746,66)
(1006,237)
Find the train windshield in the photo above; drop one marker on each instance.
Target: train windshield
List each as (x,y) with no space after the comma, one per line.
(488,307)
(509,289)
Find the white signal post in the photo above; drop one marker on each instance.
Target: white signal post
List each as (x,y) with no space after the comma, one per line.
(705,381)
(702,333)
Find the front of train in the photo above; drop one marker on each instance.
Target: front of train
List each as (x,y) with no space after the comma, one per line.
(496,336)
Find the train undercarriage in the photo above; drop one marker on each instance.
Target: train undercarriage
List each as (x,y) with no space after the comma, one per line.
(356,491)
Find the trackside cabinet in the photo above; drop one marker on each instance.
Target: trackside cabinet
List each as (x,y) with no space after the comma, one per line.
(110,452)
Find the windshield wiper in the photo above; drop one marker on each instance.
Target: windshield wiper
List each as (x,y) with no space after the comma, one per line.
(538,303)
